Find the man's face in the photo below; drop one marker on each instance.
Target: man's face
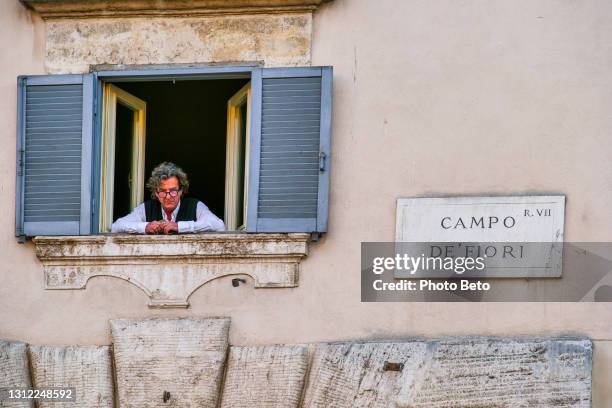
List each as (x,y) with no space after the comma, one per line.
(169,185)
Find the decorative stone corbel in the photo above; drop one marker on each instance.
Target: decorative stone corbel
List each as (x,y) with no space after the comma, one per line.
(170,268)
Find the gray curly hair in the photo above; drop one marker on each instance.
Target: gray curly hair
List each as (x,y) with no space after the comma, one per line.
(164,171)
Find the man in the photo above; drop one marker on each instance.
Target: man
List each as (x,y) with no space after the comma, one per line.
(168,212)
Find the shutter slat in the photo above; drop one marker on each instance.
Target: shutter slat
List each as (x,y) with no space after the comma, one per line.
(52,100)
(266,173)
(35,200)
(53,166)
(40,105)
(46,190)
(302,207)
(271,136)
(55,117)
(297,169)
(292,85)
(35,93)
(292,204)
(52,141)
(55,172)
(289,99)
(55,88)
(288,164)
(53,178)
(290,142)
(51,218)
(59,211)
(291,124)
(280,196)
(292,179)
(291,81)
(289,116)
(297,156)
(275,107)
(50,132)
(291,92)
(284,185)
(46,148)
(61,137)
(281,188)
(289,147)
(65,207)
(287,130)
(275,213)
(292,110)
(70,125)
(40,159)
(37,186)
(293,190)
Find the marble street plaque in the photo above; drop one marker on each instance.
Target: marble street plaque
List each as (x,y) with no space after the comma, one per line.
(516,236)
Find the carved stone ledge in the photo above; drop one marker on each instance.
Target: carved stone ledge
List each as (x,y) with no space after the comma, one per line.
(117,8)
(170,268)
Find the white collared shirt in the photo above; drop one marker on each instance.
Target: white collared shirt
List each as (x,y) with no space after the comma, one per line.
(136,221)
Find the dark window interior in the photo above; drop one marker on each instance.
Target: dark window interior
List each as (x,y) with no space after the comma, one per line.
(123,157)
(186,124)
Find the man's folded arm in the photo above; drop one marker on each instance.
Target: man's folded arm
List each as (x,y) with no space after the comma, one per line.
(133,223)
(205,221)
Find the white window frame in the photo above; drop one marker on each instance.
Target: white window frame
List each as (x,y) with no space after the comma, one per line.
(112,95)
(240,100)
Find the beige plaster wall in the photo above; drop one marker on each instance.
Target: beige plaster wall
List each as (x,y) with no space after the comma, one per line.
(430,98)
(602,381)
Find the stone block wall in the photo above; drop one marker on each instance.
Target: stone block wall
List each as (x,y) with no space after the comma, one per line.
(189,363)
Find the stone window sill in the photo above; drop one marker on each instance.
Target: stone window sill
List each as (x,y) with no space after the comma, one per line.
(170,268)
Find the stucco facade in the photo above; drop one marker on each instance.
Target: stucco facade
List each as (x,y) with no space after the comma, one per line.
(430,99)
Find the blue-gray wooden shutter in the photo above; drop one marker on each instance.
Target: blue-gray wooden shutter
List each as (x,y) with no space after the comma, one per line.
(54,147)
(289,149)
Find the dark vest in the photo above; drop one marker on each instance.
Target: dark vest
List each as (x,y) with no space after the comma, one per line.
(187,211)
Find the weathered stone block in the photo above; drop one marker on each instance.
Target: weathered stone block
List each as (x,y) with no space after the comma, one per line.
(72,45)
(265,376)
(181,358)
(353,375)
(503,373)
(86,368)
(14,371)
(463,372)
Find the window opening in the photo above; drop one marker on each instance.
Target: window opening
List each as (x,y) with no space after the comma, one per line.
(187,122)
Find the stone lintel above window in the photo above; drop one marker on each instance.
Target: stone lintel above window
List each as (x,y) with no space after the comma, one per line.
(170,268)
(116,8)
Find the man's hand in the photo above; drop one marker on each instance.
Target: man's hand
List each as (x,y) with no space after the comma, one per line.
(154,227)
(169,227)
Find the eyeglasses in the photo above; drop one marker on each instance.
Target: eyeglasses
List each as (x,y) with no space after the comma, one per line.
(171,193)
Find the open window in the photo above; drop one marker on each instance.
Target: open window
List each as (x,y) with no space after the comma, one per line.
(254,142)
(187,122)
